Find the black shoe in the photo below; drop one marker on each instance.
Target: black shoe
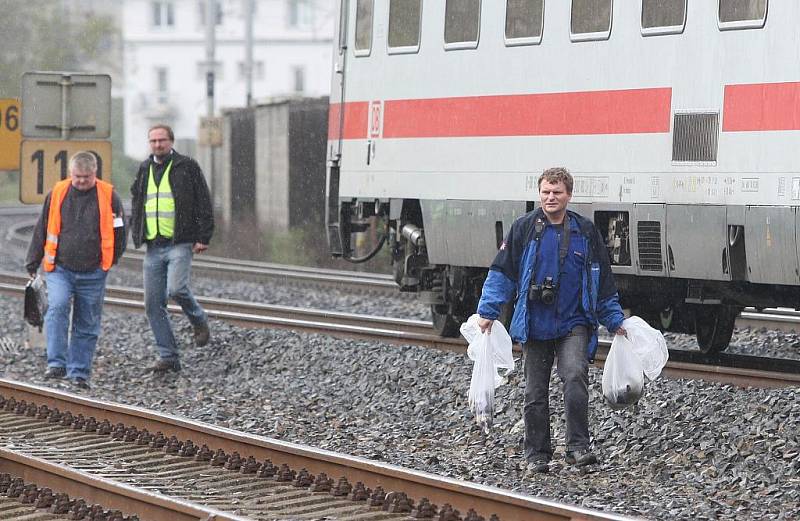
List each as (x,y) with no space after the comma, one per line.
(538,466)
(80,383)
(166,366)
(580,458)
(55,372)
(201,334)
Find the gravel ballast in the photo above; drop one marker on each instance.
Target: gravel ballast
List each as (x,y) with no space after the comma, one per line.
(688,450)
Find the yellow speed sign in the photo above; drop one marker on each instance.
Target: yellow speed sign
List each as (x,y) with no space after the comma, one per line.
(44,162)
(10,134)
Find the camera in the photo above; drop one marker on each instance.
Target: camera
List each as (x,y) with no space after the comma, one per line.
(545,293)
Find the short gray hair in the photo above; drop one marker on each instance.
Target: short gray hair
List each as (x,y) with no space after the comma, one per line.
(83,161)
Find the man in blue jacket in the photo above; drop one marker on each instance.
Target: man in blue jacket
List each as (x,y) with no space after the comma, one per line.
(556,265)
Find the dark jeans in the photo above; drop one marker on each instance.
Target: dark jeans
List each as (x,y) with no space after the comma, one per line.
(573,369)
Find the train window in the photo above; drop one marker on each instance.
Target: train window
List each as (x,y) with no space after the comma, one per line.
(742,14)
(462,24)
(404,23)
(363,27)
(590,20)
(663,16)
(524,21)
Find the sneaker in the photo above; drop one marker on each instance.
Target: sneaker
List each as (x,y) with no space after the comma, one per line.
(80,383)
(165,366)
(55,372)
(538,466)
(580,458)
(201,334)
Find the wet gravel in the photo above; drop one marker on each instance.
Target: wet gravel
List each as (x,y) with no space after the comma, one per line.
(688,450)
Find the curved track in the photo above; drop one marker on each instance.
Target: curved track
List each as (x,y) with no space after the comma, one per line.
(782,319)
(738,370)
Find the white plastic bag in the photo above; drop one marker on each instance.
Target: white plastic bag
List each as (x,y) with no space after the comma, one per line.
(648,344)
(623,376)
(490,352)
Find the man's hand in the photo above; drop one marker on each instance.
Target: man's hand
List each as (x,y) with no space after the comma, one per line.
(621,331)
(485,324)
(199,247)
(32,275)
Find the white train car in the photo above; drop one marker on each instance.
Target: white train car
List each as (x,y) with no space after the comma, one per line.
(680,121)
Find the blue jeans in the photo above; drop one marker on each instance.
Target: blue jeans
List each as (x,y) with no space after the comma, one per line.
(83,293)
(573,369)
(167,273)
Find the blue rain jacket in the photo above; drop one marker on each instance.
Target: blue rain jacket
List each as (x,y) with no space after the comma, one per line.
(512,270)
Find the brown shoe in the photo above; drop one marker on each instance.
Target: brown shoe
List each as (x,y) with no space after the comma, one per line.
(166,366)
(201,334)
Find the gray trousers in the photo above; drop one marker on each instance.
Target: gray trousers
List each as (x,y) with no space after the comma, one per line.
(573,369)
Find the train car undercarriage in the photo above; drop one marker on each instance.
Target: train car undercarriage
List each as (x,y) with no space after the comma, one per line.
(704,308)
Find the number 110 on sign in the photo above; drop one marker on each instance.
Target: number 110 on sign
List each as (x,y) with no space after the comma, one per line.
(43,163)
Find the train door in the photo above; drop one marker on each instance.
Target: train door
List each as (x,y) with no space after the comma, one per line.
(335,131)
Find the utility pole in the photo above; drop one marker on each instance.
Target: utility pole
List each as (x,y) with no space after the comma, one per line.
(211,25)
(249,12)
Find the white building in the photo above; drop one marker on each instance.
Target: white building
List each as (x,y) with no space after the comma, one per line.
(165,60)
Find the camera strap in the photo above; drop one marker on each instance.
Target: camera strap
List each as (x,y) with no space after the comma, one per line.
(563,247)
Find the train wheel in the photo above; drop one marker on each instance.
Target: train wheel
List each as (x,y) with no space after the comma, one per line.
(714,327)
(444,323)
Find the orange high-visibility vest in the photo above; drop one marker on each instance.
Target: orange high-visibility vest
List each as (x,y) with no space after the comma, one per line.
(104,196)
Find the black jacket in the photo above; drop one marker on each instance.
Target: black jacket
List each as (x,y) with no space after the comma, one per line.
(194,217)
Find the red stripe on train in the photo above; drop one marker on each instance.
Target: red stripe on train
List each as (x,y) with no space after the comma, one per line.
(634,111)
(761,106)
(355,120)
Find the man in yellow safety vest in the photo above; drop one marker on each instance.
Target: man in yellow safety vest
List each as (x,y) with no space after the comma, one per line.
(171,213)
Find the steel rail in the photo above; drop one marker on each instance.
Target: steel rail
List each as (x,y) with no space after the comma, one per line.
(782,319)
(398,331)
(247,269)
(105,492)
(462,495)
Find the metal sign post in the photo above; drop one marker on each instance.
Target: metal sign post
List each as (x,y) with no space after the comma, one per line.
(63,105)
(65,113)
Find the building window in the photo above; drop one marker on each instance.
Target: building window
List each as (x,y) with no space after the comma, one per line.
(201,12)
(663,16)
(300,13)
(298,79)
(163,13)
(462,22)
(162,84)
(363,27)
(404,23)
(258,70)
(524,21)
(590,19)
(742,14)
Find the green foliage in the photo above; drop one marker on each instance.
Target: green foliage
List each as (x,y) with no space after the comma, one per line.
(9,187)
(45,35)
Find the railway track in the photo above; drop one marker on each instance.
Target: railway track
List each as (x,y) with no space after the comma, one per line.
(161,467)
(734,369)
(781,319)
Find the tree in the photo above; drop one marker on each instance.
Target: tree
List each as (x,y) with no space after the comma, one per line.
(55,35)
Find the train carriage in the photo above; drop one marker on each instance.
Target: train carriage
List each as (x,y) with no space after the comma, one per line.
(678,119)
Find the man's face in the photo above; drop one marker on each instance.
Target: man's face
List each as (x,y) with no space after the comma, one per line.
(160,143)
(81,180)
(554,198)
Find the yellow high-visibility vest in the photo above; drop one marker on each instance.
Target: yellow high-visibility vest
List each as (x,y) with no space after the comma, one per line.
(159,206)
